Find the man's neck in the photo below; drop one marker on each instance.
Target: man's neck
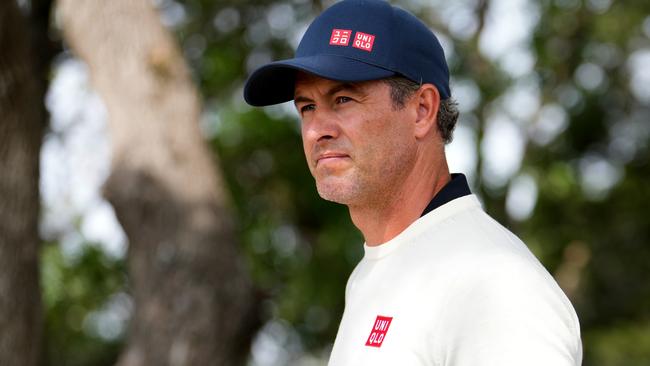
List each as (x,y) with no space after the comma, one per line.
(395,211)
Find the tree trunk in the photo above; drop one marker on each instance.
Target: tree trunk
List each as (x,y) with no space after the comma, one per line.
(21,127)
(193,303)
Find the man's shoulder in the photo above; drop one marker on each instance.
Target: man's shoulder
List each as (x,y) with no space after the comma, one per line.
(476,254)
(462,227)
(493,279)
(502,299)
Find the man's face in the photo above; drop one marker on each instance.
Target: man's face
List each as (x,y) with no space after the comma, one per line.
(359,148)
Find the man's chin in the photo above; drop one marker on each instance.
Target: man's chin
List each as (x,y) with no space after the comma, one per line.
(336,193)
(332,197)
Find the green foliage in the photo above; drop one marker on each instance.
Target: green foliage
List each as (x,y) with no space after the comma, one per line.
(76,288)
(602,236)
(622,344)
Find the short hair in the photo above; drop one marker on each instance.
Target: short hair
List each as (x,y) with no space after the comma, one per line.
(402,88)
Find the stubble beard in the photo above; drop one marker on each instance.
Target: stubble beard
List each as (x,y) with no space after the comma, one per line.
(345,192)
(371,187)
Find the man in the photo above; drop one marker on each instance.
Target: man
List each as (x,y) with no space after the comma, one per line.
(441,283)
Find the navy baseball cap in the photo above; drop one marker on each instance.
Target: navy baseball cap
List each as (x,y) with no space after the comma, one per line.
(352,41)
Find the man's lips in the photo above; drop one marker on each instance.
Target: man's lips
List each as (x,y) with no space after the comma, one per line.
(331,156)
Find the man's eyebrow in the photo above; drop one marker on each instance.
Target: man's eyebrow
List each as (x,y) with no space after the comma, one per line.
(301,99)
(333,90)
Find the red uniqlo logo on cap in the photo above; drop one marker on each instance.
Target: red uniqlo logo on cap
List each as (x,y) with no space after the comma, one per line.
(378,332)
(340,37)
(363,41)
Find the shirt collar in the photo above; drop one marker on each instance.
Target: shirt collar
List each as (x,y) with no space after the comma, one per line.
(455,188)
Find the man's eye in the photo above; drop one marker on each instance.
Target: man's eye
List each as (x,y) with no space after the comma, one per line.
(307,108)
(340,100)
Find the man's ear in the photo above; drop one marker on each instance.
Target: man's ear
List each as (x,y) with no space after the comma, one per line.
(428,102)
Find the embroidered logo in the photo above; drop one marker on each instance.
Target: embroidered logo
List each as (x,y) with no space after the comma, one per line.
(363,41)
(340,37)
(379,330)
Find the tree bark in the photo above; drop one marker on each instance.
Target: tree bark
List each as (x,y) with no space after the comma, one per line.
(22,116)
(193,300)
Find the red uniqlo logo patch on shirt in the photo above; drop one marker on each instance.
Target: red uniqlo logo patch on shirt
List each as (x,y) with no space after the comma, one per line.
(363,41)
(378,332)
(340,37)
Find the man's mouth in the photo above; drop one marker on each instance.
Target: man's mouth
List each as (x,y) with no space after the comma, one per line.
(331,157)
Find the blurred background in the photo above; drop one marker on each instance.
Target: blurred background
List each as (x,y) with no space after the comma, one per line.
(106,234)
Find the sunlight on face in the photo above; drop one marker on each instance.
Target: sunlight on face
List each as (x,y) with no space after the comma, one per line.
(358,147)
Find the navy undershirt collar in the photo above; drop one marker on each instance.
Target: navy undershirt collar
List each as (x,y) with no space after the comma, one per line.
(455,188)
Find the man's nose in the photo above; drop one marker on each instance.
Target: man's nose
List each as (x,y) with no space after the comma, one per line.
(324,125)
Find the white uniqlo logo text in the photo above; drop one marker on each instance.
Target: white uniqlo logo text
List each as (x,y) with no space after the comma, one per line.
(364,41)
(378,331)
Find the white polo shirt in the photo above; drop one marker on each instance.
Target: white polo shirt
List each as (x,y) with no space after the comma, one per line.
(455,289)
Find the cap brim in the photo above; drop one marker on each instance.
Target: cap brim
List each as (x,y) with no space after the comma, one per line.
(274,83)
